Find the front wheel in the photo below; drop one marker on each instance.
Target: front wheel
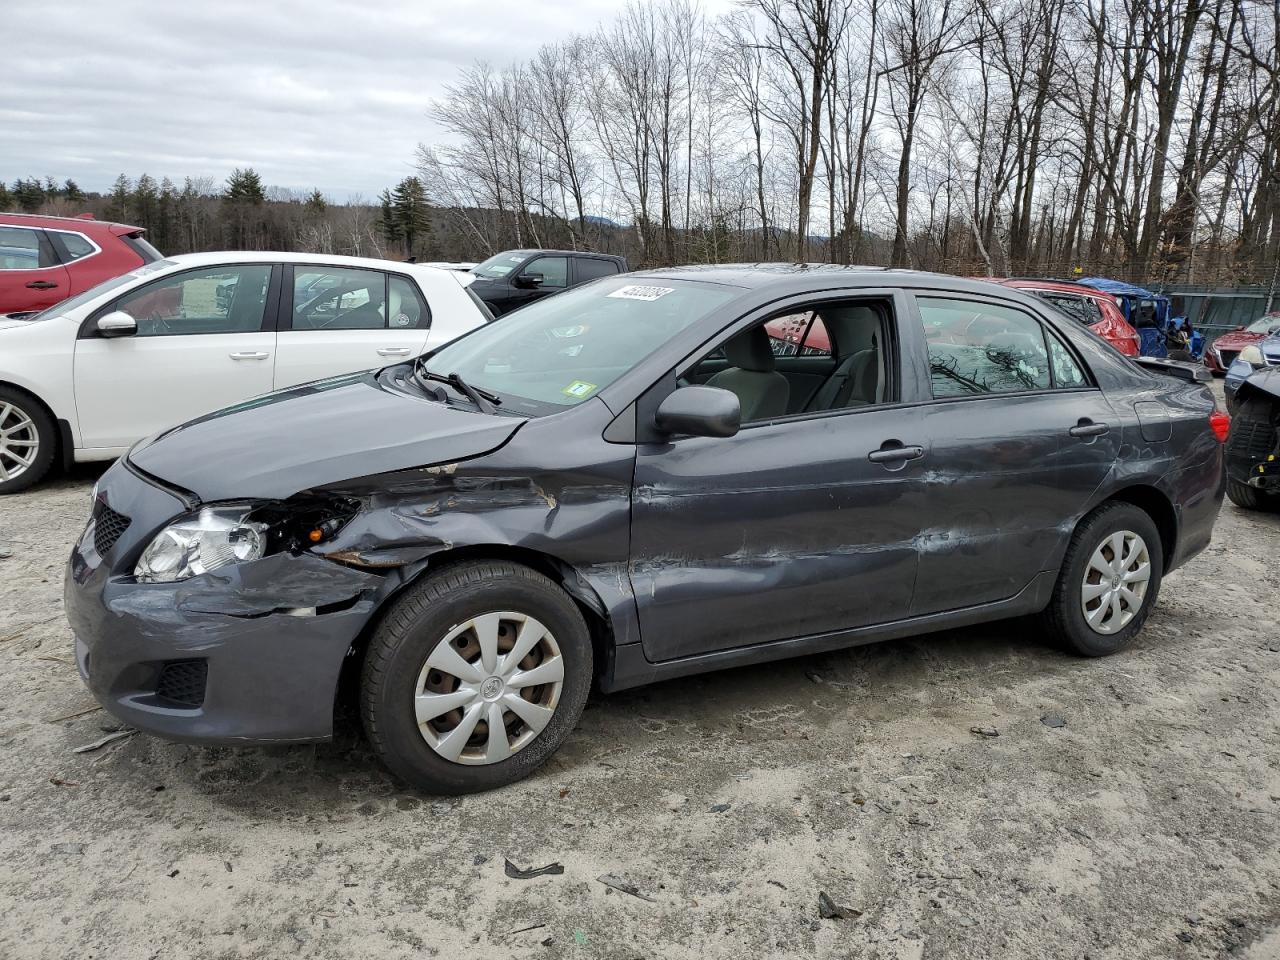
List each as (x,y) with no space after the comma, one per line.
(28,439)
(1109,581)
(475,677)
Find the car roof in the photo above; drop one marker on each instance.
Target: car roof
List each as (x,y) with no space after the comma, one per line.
(85,225)
(1057,286)
(544,251)
(216,257)
(804,277)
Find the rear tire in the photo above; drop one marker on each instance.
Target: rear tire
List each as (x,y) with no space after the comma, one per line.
(1254,411)
(1101,584)
(428,673)
(28,440)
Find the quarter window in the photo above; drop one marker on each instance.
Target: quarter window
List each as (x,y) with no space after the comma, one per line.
(77,247)
(554,270)
(227,299)
(20,249)
(977,348)
(591,268)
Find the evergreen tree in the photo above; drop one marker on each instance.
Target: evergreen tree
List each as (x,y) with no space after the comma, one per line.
(412,216)
(71,190)
(387,219)
(28,194)
(6,198)
(119,199)
(316,203)
(146,196)
(245,186)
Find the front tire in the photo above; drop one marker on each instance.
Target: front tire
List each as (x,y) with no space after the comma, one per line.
(475,677)
(28,440)
(1109,581)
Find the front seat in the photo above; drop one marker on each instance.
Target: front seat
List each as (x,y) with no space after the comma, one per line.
(853,384)
(761,390)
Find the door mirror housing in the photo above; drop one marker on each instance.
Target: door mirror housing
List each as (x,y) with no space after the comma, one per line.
(700,412)
(117,323)
(529,280)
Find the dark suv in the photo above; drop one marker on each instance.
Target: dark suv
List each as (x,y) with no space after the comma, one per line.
(515,277)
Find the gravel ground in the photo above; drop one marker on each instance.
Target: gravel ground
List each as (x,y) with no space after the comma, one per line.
(1146,826)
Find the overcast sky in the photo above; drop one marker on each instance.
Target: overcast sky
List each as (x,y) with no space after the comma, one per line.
(311,94)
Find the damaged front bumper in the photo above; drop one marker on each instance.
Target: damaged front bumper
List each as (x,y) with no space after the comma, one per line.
(250,652)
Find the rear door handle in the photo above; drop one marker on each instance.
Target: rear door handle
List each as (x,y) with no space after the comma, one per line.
(41,285)
(393,351)
(1087,428)
(250,355)
(895,454)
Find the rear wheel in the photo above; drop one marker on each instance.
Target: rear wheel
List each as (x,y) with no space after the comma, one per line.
(1251,422)
(475,677)
(1109,581)
(28,439)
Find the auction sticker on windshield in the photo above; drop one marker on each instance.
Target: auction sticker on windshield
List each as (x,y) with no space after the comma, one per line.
(579,389)
(639,292)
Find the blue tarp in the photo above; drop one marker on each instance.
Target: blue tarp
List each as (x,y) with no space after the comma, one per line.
(1130,295)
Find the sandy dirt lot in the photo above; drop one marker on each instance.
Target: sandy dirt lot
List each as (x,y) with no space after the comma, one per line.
(1146,826)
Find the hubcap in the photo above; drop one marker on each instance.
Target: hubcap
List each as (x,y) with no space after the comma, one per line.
(19,442)
(488,688)
(1115,582)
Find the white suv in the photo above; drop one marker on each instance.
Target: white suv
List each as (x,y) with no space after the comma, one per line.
(188,335)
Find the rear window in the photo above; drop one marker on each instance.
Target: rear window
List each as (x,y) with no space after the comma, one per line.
(139,245)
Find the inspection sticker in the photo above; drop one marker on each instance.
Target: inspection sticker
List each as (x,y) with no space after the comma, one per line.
(639,292)
(579,389)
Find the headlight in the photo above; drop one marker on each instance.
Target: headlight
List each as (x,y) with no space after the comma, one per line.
(213,538)
(1252,355)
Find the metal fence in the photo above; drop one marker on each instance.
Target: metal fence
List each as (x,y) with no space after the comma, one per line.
(1218,310)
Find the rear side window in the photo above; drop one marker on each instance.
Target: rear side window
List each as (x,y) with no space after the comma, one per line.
(405,306)
(77,246)
(339,298)
(21,249)
(592,268)
(802,334)
(976,348)
(1081,309)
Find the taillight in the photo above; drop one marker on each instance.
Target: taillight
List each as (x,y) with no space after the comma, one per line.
(1220,424)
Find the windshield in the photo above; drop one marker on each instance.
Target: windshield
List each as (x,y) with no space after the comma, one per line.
(556,353)
(1268,324)
(106,286)
(497,267)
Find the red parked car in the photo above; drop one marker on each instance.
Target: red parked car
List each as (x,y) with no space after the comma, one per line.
(1097,310)
(1224,349)
(45,260)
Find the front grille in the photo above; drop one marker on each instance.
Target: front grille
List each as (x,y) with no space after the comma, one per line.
(108,527)
(1228,357)
(1251,439)
(183,682)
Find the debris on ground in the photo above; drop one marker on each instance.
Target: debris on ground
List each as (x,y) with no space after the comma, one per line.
(623,886)
(985,731)
(1054,720)
(102,742)
(71,716)
(828,909)
(68,849)
(718,808)
(518,873)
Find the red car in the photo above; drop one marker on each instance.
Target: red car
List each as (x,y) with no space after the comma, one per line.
(1097,310)
(1227,347)
(45,260)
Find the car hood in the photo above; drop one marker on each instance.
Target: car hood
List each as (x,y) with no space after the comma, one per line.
(315,435)
(1237,340)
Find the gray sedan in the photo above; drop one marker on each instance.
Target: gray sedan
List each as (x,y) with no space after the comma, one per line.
(648,476)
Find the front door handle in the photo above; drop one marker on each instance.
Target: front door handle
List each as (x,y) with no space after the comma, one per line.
(1087,428)
(393,351)
(41,285)
(250,355)
(892,451)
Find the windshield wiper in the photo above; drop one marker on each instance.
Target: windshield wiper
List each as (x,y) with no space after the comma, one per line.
(484,400)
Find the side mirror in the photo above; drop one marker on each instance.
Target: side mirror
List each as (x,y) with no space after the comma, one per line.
(530,280)
(700,412)
(116,324)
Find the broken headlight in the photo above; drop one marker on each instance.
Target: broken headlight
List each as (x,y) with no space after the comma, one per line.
(212,538)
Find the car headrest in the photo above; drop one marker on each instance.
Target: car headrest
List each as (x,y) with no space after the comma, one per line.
(750,350)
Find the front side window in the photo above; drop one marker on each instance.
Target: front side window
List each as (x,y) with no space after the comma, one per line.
(20,249)
(561,351)
(225,299)
(553,270)
(339,298)
(977,348)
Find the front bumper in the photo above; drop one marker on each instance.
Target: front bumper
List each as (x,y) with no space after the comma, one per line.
(269,637)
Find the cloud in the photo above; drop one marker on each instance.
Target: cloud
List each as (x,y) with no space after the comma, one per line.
(325,93)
